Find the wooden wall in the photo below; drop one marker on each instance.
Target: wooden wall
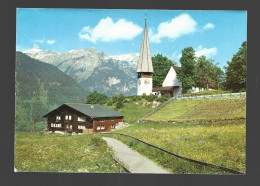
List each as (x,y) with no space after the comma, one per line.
(107,123)
(89,123)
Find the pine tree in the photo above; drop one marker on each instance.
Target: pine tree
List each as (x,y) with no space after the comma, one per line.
(236,70)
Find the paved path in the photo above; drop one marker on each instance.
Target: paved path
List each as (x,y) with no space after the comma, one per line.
(135,162)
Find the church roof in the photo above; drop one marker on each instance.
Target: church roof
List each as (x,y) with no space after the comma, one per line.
(168,88)
(175,68)
(145,60)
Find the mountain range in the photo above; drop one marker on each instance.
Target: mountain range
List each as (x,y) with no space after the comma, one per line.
(41,87)
(94,70)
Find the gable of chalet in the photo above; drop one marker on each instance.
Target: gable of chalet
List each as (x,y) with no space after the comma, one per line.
(93,111)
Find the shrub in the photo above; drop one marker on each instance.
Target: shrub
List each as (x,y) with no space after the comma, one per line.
(119,104)
(109,103)
(117,98)
(163,98)
(151,97)
(96,98)
(135,98)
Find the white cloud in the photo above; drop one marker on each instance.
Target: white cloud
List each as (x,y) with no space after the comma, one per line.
(107,30)
(178,26)
(208,52)
(39,41)
(50,42)
(209,26)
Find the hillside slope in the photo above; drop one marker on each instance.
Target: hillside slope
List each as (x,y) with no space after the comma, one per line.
(41,87)
(192,110)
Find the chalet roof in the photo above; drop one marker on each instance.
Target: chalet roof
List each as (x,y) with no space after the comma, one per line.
(145,60)
(93,111)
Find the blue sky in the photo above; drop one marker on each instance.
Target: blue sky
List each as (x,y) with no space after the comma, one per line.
(215,34)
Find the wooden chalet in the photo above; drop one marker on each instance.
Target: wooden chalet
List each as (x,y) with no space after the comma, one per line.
(76,117)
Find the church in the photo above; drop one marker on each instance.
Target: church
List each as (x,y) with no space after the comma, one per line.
(171,85)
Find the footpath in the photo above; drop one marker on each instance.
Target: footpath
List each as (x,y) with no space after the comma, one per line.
(134,162)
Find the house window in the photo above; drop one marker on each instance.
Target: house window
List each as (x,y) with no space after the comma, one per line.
(81,126)
(102,127)
(81,118)
(56,125)
(112,126)
(68,117)
(100,119)
(58,118)
(98,127)
(112,119)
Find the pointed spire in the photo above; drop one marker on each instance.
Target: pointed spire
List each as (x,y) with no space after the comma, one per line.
(145,60)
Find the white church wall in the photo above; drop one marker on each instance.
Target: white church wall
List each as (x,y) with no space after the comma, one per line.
(178,92)
(144,85)
(171,79)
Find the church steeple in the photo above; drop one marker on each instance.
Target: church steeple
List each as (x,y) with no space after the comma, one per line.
(145,60)
(145,67)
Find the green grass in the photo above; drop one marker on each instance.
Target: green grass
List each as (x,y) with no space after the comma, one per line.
(185,110)
(133,111)
(221,144)
(207,92)
(36,152)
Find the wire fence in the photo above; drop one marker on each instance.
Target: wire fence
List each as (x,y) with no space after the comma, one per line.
(181,157)
(215,96)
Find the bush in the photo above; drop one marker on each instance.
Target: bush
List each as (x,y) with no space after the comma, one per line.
(151,97)
(135,98)
(163,98)
(119,104)
(96,98)
(109,103)
(117,98)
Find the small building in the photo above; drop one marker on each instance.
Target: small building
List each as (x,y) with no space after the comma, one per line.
(171,85)
(76,117)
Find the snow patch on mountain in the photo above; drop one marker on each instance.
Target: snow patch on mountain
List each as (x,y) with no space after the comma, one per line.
(94,70)
(129,59)
(113,81)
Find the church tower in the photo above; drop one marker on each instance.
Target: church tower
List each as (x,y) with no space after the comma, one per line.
(145,67)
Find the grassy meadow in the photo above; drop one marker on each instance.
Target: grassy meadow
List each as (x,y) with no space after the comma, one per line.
(205,110)
(37,152)
(134,110)
(222,144)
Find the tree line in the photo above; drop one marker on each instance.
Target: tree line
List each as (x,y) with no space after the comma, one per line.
(202,72)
